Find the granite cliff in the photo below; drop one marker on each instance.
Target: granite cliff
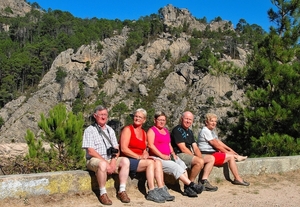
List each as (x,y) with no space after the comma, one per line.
(181,87)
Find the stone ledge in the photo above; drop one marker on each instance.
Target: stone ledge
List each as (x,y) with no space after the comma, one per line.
(26,185)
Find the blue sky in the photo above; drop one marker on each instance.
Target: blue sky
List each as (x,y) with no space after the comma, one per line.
(253,11)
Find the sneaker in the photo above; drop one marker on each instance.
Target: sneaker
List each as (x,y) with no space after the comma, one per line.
(105,200)
(197,188)
(154,196)
(165,194)
(208,186)
(123,197)
(188,191)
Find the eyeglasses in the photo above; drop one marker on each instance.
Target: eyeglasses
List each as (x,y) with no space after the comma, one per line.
(161,120)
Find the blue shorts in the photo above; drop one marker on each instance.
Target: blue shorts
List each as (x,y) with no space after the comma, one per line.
(133,166)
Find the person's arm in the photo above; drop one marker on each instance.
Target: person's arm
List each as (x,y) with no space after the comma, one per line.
(196,149)
(92,152)
(114,141)
(229,150)
(124,142)
(183,148)
(110,167)
(89,136)
(152,147)
(113,162)
(172,151)
(145,152)
(217,145)
(179,141)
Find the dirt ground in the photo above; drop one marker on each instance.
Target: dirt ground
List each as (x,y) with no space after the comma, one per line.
(276,190)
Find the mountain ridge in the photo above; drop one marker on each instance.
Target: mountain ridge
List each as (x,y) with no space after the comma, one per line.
(180,88)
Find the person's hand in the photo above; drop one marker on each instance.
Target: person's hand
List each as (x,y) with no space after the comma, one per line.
(151,158)
(166,157)
(145,155)
(111,168)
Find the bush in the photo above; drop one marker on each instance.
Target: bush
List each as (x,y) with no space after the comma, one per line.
(62,131)
(60,74)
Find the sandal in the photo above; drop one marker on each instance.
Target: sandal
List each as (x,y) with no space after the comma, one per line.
(244,183)
(241,158)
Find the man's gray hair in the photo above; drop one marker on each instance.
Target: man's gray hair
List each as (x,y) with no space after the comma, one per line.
(99,108)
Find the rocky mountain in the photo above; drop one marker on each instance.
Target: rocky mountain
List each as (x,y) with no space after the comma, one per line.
(14,8)
(180,88)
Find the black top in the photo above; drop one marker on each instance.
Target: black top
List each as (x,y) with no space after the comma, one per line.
(179,135)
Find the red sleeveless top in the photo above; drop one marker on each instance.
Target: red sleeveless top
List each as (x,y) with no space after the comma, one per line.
(137,145)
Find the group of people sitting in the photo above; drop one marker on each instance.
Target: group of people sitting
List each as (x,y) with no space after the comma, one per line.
(156,152)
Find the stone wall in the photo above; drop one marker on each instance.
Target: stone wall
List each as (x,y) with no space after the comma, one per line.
(16,186)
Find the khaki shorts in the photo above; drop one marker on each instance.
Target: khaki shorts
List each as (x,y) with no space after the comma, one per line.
(186,158)
(93,163)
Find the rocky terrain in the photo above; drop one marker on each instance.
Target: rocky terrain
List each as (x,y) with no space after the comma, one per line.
(14,8)
(182,88)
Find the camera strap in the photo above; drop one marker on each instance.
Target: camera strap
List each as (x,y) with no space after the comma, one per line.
(101,132)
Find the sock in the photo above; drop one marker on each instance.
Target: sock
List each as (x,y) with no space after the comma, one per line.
(122,188)
(102,191)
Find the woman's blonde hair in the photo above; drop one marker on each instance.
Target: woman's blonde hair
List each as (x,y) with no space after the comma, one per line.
(143,111)
(209,116)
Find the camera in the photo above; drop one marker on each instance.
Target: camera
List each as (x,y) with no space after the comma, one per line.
(112,151)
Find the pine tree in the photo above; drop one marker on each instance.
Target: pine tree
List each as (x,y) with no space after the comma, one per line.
(271,118)
(62,130)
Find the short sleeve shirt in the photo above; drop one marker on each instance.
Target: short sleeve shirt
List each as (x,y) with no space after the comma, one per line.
(206,135)
(92,139)
(179,135)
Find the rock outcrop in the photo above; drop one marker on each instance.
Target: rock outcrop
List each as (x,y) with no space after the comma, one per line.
(14,8)
(180,89)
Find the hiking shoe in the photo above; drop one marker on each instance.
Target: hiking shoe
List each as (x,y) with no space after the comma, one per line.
(197,188)
(154,196)
(208,186)
(165,194)
(188,191)
(105,200)
(123,197)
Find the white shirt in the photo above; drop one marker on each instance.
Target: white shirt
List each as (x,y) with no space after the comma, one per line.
(92,139)
(206,135)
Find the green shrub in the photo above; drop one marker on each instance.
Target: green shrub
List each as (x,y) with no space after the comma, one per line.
(60,74)
(62,130)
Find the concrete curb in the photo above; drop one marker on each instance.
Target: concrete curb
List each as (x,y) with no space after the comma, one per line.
(26,185)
